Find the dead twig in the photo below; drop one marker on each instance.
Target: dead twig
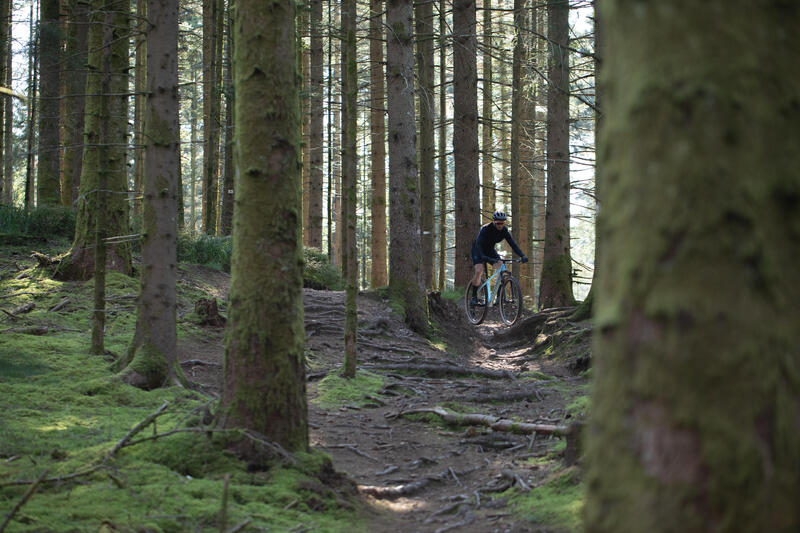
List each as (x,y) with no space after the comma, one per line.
(408,489)
(515,478)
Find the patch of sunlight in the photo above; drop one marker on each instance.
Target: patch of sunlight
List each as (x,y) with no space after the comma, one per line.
(64,424)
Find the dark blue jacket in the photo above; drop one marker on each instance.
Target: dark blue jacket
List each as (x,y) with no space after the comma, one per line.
(489,236)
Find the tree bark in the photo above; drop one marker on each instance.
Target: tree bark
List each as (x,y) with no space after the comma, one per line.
(211,105)
(405,254)
(427,152)
(556,283)
(377,86)
(109,155)
(5,50)
(442,285)
(75,99)
(316,129)
(487,148)
(264,375)
(349,180)
(465,137)
(152,360)
(140,84)
(48,169)
(226,215)
(694,422)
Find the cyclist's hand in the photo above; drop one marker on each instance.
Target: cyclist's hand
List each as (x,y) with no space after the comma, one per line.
(524,259)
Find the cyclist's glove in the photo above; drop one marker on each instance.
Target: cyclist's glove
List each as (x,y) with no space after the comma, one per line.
(524,259)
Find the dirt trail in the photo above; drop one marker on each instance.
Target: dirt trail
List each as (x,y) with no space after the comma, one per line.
(450,474)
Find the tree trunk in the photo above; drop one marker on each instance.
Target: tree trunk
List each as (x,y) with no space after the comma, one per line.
(30,134)
(152,360)
(556,284)
(193,152)
(516,112)
(539,183)
(487,174)
(104,155)
(5,50)
(264,362)
(139,114)
(427,152)
(211,105)
(405,254)
(442,285)
(349,178)
(523,220)
(75,99)
(316,129)
(48,171)
(305,59)
(8,148)
(694,423)
(465,137)
(226,215)
(377,89)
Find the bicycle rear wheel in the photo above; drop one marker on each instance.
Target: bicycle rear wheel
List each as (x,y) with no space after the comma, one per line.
(510,301)
(476,313)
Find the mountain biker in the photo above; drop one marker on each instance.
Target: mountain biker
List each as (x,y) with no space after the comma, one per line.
(483,249)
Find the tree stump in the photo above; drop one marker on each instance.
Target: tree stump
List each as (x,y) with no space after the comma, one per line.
(208,313)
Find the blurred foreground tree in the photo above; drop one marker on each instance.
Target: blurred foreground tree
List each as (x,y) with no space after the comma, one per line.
(695,420)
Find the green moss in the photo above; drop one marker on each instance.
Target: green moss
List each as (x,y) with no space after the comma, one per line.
(557,504)
(335,391)
(63,410)
(578,406)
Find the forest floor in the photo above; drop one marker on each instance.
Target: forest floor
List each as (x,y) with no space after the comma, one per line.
(416,472)
(412,472)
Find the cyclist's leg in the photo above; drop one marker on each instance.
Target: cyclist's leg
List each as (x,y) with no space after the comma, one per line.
(477,267)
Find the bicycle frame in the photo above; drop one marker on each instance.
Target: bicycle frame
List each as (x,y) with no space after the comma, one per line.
(498,274)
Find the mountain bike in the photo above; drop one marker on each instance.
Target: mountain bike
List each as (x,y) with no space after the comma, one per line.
(506,295)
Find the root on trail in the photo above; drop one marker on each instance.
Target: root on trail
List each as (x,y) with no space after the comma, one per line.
(497,424)
(443,370)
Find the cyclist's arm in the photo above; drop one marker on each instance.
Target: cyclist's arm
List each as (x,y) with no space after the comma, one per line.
(510,241)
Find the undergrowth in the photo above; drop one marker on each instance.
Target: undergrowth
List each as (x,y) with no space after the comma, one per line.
(63,411)
(557,502)
(18,225)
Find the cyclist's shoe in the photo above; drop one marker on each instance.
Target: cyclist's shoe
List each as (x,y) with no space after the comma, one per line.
(474,301)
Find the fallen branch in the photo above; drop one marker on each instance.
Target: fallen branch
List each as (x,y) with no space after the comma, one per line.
(515,478)
(27,496)
(408,489)
(497,424)
(59,306)
(444,370)
(26,293)
(33,330)
(199,362)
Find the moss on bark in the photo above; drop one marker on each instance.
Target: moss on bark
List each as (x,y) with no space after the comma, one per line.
(694,419)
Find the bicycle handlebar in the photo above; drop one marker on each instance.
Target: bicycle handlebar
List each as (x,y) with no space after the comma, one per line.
(492,260)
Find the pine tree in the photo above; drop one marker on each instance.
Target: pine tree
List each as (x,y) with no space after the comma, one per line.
(48,175)
(378,276)
(264,353)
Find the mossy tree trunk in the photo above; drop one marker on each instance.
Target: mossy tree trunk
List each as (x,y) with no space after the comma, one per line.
(406,282)
(377,124)
(264,372)
(75,99)
(349,180)
(152,360)
(316,128)
(305,68)
(48,167)
(79,262)
(427,153)
(465,137)
(556,283)
(695,420)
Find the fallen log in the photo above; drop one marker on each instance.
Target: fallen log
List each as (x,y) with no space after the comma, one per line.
(497,424)
(407,489)
(444,370)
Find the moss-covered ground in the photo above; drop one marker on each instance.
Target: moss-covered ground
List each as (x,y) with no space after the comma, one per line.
(62,412)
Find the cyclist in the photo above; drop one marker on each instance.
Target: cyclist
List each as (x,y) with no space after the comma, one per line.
(483,249)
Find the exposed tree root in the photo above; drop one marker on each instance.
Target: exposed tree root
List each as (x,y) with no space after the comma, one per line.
(444,370)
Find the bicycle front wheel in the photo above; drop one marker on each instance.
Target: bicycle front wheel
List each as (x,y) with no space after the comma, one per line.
(510,301)
(476,310)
